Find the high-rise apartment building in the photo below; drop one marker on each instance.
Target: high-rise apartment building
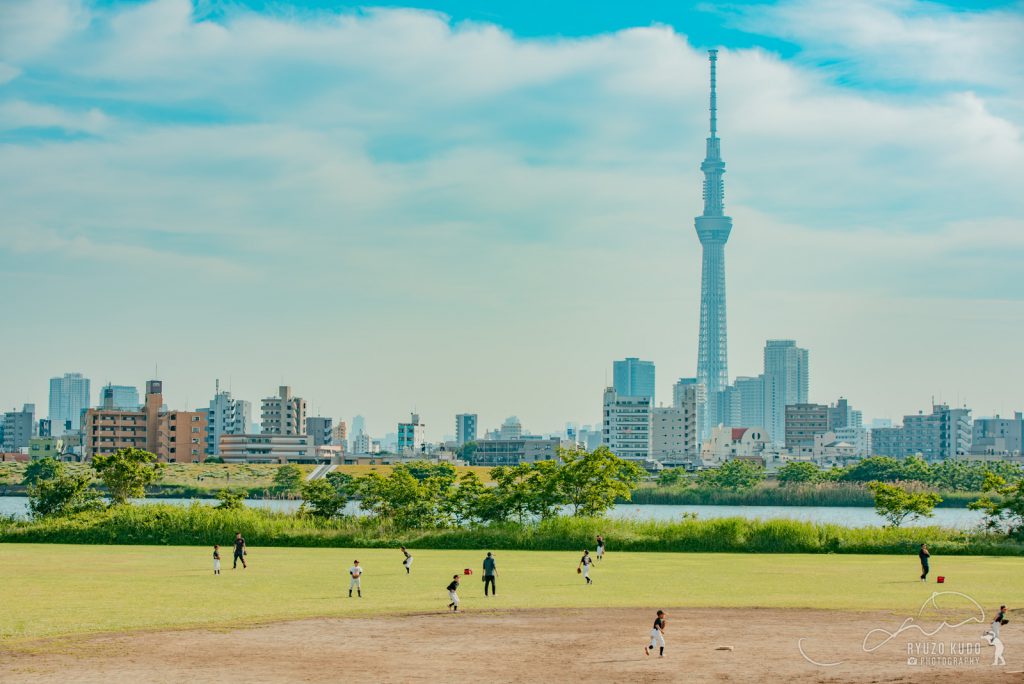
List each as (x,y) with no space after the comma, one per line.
(173,436)
(411,435)
(998,435)
(340,435)
(673,434)
(804,422)
(627,425)
(362,444)
(841,415)
(633,378)
(284,414)
(18,428)
(319,429)
(226,416)
(786,381)
(690,394)
(69,396)
(465,428)
(741,404)
(942,434)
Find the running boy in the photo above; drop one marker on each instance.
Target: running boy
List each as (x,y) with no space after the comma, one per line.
(355,572)
(408,560)
(453,589)
(924,555)
(657,635)
(584,566)
(600,547)
(216,559)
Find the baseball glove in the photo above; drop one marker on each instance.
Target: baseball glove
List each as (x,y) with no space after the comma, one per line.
(579,571)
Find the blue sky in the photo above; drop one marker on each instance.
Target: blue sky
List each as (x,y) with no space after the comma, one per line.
(472,206)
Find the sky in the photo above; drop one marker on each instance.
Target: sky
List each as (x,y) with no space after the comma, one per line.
(452,207)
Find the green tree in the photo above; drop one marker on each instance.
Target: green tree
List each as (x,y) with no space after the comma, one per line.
(523,491)
(671,476)
(467,451)
(126,472)
(875,468)
(896,504)
(915,469)
(468,502)
(43,469)
(405,500)
(737,475)
(591,481)
(288,478)
(63,495)
(231,499)
(799,472)
(213,459)
(320,498)
(1005,513)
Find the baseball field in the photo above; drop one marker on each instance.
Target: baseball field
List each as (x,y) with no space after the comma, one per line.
(140,613)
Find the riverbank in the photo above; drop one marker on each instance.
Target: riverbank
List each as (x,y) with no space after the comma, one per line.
(201,525)
(773,494)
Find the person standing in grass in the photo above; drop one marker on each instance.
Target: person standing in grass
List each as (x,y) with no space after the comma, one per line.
(216,559)
(490,572)
(453,593)
(240,551)
(600,547)
(407,563)
(924,555)
(657,635)
(356,573)
(584,566)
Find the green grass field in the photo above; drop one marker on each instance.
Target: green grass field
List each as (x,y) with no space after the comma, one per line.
(51,590)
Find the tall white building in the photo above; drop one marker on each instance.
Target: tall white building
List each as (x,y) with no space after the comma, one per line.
(362,444)
(226,416)
(69,396)
(627,425)
(284,414)
(786,381)
(691,394)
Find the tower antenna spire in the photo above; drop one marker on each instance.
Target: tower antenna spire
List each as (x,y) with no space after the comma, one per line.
(713,58)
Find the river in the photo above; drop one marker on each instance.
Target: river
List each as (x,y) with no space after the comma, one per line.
(850,516)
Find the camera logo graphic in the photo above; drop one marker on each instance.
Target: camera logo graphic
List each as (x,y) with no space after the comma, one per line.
(911,660)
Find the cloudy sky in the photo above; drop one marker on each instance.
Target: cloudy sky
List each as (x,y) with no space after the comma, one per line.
(477,206)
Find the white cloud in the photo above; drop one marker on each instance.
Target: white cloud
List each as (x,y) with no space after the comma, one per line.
(369,175)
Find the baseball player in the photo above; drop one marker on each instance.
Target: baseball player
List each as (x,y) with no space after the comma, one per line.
(999,621)
(657,635)
(216,559)
(584,566)
(453,589)
(600,547)
(407,563)
(356,573)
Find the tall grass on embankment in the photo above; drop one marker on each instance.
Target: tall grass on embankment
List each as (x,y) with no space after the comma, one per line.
(204,525)
(772,494)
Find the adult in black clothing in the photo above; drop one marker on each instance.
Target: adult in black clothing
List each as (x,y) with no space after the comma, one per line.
(490,572)
(239,551)
(924,555)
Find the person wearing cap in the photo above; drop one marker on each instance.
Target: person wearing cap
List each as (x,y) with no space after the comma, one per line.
(490,572)
(356,573)
(453,593)
(999,620)
(924,555)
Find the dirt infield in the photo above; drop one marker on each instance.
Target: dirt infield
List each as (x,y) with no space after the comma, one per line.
(535,646)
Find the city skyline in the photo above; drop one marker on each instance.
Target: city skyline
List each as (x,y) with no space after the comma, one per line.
(490,176)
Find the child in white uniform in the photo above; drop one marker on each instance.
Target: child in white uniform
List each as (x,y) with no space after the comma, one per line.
(355,572)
